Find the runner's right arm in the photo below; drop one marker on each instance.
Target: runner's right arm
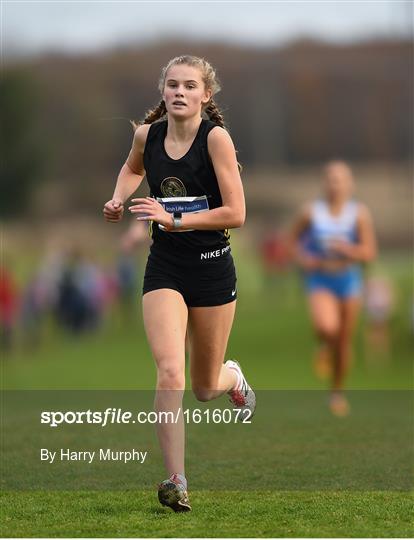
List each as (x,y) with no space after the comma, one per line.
(129,178)
(300,256)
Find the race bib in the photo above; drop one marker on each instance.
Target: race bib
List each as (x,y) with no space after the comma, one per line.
(185,205)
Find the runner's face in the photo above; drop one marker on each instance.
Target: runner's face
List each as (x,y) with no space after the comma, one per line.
(184,91)
(338,181)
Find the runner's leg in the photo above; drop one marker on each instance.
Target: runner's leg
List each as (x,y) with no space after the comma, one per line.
(165,320)
(209,333)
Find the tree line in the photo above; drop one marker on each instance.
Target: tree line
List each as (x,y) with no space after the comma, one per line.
(65,118)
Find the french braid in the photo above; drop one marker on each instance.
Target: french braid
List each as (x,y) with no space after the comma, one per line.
(152,115)
(214,113)
(155,114)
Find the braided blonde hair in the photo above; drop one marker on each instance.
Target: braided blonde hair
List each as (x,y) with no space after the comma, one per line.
(210,81)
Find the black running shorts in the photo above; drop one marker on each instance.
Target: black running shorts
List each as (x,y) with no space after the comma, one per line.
(203,279)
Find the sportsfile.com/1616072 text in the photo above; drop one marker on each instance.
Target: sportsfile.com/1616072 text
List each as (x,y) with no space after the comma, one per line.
(113,415)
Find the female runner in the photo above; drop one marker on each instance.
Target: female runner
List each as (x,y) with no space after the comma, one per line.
(332,237)
(190,164)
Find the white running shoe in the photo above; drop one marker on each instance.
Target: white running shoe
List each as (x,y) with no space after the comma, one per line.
(172,493)
(243,396)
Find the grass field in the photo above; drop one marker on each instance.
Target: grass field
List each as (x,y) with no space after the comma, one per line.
(273,340)
(221,514)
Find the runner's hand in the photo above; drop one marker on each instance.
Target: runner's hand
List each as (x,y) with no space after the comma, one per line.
(150,209)
(113,211)
(309,262)
(341,247)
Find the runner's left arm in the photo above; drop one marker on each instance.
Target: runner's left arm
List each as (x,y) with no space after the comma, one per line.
(365,250)
(232,213)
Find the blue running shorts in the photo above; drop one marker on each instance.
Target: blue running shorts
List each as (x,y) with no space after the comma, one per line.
(343,284)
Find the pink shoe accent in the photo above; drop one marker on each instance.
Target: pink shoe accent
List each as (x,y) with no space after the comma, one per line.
(237,398)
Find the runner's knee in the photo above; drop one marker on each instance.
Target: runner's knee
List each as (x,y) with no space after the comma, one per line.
(327,331)
(171,377)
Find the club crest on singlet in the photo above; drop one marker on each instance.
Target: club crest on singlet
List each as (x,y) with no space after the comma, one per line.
(173,187)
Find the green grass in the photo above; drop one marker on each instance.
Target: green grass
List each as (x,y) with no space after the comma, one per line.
(271,336)
(273,340)
(215,514)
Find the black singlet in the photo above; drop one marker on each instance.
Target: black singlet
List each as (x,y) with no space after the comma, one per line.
(187,184)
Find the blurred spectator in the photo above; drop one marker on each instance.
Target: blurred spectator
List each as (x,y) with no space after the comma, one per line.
(274,253)
(32,311)
(40,296)
(82,295)
(379,303)
(8,308)
(128,266)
